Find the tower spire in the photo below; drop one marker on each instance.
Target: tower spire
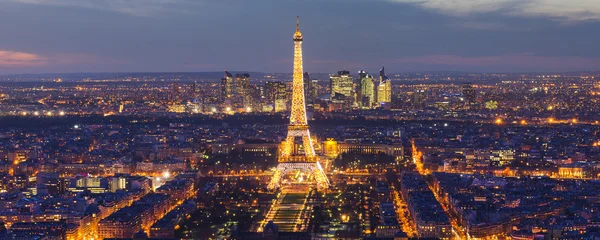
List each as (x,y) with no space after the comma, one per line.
(298,34)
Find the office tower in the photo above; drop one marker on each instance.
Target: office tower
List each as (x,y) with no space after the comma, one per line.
(290,158)
(314,89)
(308,92)
(468,93)
(307,86)
(254,93)
(384,90)
(366,91)
(227,87)
(276,95)
(361,74)
(342,87)
(242,90)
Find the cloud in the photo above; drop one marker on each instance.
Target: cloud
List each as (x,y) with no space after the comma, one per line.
(488,26)
(510,61)
(129,7)
(12,59)
(19,62)
(563,10)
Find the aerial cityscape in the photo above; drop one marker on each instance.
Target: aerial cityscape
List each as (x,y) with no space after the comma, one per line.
(349,153)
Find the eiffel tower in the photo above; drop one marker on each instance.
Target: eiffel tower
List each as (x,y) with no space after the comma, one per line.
(298,157)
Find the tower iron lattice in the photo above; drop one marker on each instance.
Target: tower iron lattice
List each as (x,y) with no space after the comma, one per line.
(291,158)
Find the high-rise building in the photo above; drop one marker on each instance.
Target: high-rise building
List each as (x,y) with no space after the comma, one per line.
(308,91)
(307,85)
(227,88)
(468,93)
(276,94)
(361,74)
(242,90)
(384,90)
(314,89)
(366,91)
(342,86)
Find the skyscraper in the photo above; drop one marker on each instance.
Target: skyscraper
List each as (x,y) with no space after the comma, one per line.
(227,87)
(308,91)
(306,78)
(242,90)
(358,87)
(342,87)
(384,90)
(366,94)
(276,95)
(314,89)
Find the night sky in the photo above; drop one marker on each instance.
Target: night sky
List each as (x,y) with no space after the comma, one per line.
(47,36)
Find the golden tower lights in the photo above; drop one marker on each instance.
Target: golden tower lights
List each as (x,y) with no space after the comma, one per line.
(298,128)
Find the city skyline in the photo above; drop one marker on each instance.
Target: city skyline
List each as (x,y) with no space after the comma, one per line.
(404,35)
(249,156)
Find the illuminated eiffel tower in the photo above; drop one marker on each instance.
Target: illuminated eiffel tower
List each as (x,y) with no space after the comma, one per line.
(298,157)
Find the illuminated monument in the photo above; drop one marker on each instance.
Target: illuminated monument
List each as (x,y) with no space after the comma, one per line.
(297,151)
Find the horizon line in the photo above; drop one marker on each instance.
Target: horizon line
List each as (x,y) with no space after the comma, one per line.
(240,71)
